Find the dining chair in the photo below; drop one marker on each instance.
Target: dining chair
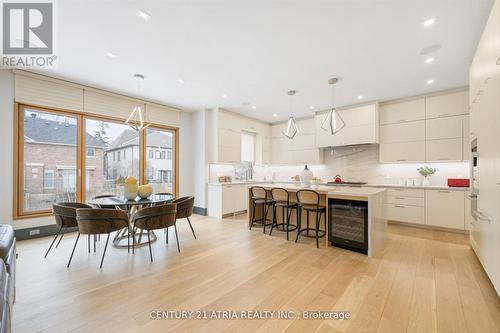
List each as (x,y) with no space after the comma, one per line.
(92,221)
(185,206)
(156,217)
(309,201)
(102,196)
(165,194)
(65,216)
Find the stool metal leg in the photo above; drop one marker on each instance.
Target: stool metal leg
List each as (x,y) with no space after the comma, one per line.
(307,231)
(318,217)
(273,218)
(299,222)
(287,223)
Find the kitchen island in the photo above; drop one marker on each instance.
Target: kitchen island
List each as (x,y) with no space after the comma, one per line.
(374,197)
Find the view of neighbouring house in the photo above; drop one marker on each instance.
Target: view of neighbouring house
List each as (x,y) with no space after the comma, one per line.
(50,158)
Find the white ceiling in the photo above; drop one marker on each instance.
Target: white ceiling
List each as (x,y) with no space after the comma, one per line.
(255,51)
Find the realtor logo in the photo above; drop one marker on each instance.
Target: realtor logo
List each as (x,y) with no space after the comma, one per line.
(28,34)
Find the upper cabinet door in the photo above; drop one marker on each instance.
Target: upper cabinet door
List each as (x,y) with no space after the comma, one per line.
(446,105)
(444,128)
(361,127)
(402,111)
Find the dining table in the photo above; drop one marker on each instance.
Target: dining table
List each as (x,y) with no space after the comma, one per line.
(131,207)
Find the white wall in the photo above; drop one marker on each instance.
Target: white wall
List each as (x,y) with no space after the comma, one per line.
(199,149)
(186,180)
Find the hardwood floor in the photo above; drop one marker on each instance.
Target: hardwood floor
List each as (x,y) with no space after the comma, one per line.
(427,281)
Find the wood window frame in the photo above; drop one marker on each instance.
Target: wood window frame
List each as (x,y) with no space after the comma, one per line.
(18,190)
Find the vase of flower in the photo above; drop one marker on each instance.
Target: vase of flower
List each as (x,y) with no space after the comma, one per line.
(426,172)
(305,177)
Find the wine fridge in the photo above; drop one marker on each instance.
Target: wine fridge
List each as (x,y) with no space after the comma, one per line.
(348,224)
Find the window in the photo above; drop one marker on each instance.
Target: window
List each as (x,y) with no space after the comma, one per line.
(47,141)
(48,179)
(247,147)
(160,170)
(108,174)
(51,147)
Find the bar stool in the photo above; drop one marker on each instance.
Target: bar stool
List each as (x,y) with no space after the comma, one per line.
(260,197)
(281,198)
(308,200)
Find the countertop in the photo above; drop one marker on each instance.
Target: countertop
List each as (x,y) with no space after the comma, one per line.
(431,187)
(324,188)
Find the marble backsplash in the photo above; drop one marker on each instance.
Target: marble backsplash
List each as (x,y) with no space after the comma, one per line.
(361,163)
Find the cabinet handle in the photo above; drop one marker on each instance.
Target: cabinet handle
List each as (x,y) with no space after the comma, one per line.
(443,191)
(399,206)
(443,159)
(401,121)
(444,115)
(400,198)
(400,160)
(398,189)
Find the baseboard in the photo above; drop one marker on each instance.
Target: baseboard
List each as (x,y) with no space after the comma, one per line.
(429,227)
(37,232)
(200,211)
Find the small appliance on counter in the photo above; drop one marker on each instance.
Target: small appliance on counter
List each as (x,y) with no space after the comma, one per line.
(458,182)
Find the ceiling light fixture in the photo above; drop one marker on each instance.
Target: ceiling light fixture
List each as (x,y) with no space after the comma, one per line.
(111,55)
(429,60)
(429,22)
(181,81)
(333,121)
(137,118)
(431,81)
(224,96)
(291,128)
(311,107)
(143,15)
(254,107)
(275,115)
(360,97)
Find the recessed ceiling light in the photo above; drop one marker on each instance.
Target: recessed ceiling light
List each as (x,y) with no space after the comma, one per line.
(360,96)
(180,81)
(143,15)
(311,107)
(430,21)
(429,60)
(111,55)
(275,115)
(431,81)
(254,107)
(224,96)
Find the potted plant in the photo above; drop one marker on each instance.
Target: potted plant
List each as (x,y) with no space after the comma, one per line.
(426,172)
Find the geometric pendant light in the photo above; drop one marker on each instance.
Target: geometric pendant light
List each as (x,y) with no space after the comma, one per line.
(333,121)
(137,118)
(291,128)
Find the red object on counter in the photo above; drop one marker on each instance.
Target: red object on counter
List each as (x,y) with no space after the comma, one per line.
(458,182)
(338,179)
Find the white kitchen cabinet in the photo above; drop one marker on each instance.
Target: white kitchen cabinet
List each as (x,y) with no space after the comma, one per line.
(444,128)
(301,149)
(445,105)
(445,208)
(467,138)
(399,112)
(402,152)
(444,150)
(406,192)
(361,127)
(403,132)
(403,200)
(227,199)
(405,213)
